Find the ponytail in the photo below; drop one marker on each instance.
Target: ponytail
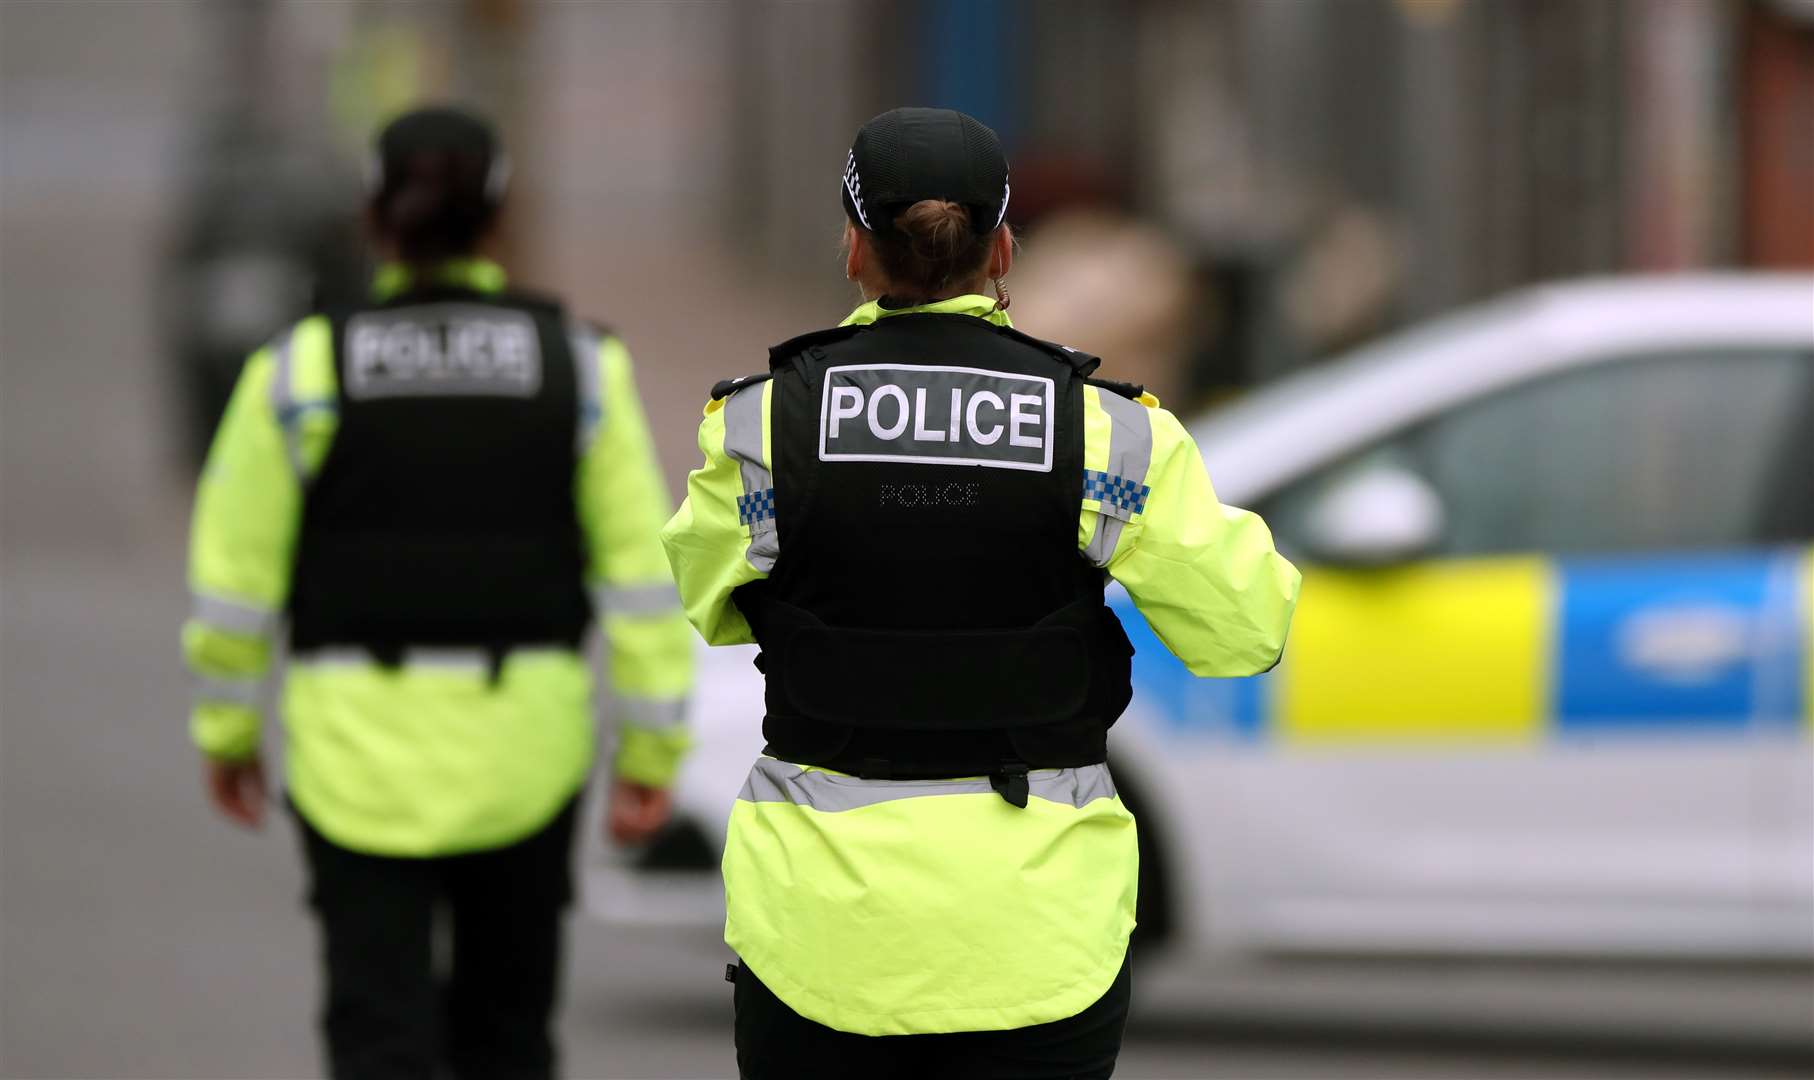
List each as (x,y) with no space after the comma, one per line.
(931,247)
(435,206)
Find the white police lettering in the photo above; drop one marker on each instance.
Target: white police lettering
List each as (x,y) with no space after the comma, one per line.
(920,434)
(893,431)
(983,397)
(846,403)
(1019,418)
(442,349)
(937,415)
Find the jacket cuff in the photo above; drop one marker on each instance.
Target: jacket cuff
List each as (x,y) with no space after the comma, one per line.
(650,758)
(226,732)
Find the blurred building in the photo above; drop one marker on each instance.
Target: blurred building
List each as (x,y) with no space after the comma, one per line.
(1312,171)
(1333,167)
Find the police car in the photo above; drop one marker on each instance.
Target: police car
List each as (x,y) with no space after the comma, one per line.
(1549,687)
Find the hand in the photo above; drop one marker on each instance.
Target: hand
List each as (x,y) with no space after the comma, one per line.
(237,789)
(636,812)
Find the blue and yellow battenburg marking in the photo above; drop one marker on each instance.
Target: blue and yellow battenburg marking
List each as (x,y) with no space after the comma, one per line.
(1515,650)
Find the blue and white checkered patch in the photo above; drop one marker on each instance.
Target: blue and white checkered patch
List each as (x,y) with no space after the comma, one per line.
(1115,490)
(756,506)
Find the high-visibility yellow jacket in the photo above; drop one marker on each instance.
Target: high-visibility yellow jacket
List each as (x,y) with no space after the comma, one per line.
(431,757)
(900,907)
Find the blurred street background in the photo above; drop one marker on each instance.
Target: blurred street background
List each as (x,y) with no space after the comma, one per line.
(1214,195)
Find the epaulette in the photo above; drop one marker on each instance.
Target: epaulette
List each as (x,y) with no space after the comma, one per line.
(1131,391)
(794,346)
(593,326)
(1081,362)
(602,332)
(726,387)
(533,298)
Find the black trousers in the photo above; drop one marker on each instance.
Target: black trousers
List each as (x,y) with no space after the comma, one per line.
(776,1043)
(389,1015)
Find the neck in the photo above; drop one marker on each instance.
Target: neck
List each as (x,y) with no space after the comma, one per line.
(901,298)
(976,286)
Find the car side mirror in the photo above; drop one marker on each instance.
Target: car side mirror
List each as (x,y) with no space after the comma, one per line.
(1374,515)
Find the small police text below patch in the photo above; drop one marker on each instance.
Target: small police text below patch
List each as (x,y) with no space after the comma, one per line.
(930,496)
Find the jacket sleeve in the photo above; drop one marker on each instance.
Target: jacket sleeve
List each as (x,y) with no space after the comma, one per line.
(623,501)
(724,534)
(1205,576)
(248,504)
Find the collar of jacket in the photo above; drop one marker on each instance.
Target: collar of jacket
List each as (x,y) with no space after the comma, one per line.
(983,307)
(477,274)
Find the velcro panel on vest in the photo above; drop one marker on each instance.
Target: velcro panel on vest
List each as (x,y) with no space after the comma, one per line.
(972,681)
(943,681)
(404,590)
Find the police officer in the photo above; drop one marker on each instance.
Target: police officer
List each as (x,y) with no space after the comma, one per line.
(914,515)
(434,492)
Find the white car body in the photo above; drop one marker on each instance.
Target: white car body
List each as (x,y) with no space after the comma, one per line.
(1693,846)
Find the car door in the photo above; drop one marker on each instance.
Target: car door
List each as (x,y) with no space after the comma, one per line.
(1565,709)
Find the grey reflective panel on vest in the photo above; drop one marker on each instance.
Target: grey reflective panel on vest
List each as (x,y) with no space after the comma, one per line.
(1130,456)
(585,345)
(438,350)
(771,780)
(283,399)
(756,506)
(936,416)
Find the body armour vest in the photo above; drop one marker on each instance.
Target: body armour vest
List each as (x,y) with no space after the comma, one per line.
(929,614)
(444,513)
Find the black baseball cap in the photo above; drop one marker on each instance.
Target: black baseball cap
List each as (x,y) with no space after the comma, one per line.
(909,154)
(440,129)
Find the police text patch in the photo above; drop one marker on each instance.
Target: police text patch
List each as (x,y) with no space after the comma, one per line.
(936,416)
(442,349)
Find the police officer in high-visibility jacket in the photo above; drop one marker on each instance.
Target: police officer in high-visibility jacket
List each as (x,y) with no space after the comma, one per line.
(915,515)
(435,492)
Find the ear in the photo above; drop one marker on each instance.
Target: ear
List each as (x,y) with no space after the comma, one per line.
(1001,252)
(856,252)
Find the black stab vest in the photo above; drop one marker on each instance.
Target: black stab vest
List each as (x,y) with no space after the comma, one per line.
(932,618)
(444,514)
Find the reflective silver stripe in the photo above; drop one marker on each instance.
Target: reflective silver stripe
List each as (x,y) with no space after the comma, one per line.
(649,714)
(586,368)
(660,598)
(475,661)
(1130,456)
(780,781)
(214,691)
(283,399)
(743,441)
(232,616)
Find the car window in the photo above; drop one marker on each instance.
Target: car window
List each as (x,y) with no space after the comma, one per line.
(1682,451)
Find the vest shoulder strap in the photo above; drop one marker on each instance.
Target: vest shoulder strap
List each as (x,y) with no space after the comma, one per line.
(1079,361)
(724,388)
(1131,391)
(779,355)
(599,330)
(544,301)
